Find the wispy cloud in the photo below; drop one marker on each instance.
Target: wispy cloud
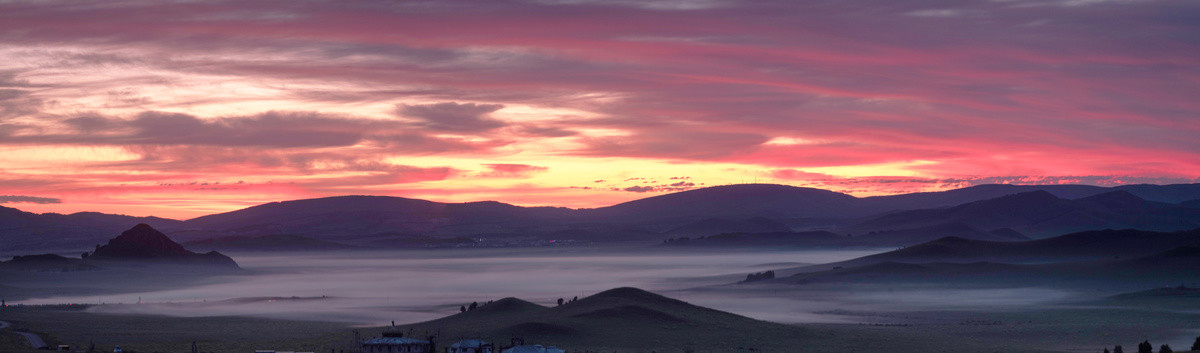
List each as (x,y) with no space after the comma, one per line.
(325,97)
(28,199)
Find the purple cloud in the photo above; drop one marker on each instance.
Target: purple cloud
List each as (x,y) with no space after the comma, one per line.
(452,116)
(28,199)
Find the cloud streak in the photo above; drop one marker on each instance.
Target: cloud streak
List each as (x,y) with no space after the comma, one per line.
(29,199)
(723,90)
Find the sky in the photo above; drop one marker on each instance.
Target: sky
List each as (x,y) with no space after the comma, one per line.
(185,108)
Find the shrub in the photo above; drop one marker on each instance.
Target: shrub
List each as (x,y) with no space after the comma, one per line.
(1145,347)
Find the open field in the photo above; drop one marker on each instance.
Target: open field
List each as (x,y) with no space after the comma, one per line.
(314,302)
(155,333)
(1082,329)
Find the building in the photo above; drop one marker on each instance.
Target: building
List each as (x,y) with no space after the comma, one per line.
(472,346)
(537,348)
(396,345)
(393,341)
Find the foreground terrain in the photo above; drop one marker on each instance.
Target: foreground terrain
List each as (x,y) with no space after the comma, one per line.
(632,320)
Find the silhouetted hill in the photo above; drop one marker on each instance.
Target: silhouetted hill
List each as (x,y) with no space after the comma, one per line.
(784,202)
(1156,193)
(924,234)
(1180,256)
(1171,266)
(144,243)
(1008,234)
(921,200)
(890,272)
(45,263)
(14,218)
(1191,203)
(351,216)
(1179,291)
(1180,297)
(994,213)
(140,259)
(731,202)
(1082,246)
(1041,214)
(1174,193)
(642,320)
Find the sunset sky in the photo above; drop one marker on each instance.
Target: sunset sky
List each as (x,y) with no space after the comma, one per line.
(184,108)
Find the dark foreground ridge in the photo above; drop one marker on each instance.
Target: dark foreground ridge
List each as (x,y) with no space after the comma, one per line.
(618,318)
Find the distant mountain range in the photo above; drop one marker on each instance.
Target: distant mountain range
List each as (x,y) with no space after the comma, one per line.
(21,230)
(987,212)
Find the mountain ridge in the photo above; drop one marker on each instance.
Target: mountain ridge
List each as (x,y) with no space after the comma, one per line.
(341,218)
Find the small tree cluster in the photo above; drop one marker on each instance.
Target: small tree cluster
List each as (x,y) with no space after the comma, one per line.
(758,276)
(1145,347)
(679,239)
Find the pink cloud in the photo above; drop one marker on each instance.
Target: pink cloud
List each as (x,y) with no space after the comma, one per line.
(983,89)
(511,170)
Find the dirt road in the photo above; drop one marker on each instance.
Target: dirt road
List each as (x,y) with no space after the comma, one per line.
(34,340)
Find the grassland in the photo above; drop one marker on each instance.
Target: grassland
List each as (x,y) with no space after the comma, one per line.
(151,333)
(1051,330)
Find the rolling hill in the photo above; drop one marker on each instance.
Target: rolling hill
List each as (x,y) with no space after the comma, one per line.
(1113,275)
(617,319)
(1081,246)
(1040,214)
(730,202)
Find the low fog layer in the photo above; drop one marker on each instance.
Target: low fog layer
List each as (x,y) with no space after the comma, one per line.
(411,286)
